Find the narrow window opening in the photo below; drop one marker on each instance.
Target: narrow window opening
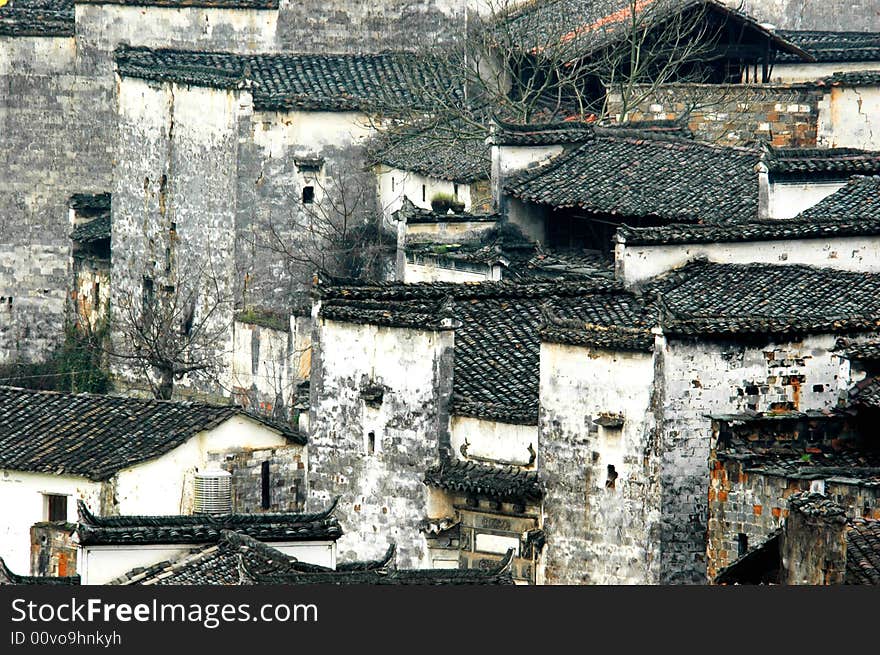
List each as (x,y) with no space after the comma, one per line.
(392,183)
(371,443)
(455,190)
(96,299)
(147,300)
(308,195)
(612,477)
(424,192)
(264,483)
(56,507)
(168,260)
(742,544)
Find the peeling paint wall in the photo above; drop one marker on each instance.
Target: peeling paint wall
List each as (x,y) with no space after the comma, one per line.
(379,478)
(602,508)
(394,184)
(850,118)
(702,378)
(174,202)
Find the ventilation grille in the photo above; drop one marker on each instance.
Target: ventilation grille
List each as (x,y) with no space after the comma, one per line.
(213,493)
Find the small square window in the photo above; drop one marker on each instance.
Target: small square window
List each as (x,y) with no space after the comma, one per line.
(56,507)
(308,195)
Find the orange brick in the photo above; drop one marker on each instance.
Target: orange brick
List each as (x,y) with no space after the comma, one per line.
(722,496)
(757,509)
(776,512)
(711,495)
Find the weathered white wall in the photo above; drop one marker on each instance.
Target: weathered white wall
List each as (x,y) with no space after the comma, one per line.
(101,564)
(810,72)
(23,504)
(849,117)
(787,200)
(383,497)
(435,272)
(491,440)
(637,263)
(596,534)
(451,231)
(394,184)
(303,133)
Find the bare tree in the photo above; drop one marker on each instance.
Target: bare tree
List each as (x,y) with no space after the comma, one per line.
(338,232)
(177,329)
(526,64)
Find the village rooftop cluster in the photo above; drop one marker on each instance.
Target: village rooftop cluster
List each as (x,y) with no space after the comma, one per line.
(438,293)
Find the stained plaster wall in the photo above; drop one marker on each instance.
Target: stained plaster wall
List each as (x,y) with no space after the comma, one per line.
(174,193)
(57,104)
(383,497)
(638,263)
(597,534)
(49,153)
(850,118)
(268,364)
(493,441)
(287,477)
(702,378)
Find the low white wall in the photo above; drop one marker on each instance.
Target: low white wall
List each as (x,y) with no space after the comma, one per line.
(491,440)
(637,263)
(787,200)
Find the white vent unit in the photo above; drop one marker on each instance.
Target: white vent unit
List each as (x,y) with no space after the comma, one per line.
(213,493)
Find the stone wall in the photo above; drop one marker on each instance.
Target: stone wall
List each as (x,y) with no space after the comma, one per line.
(599,460)
(785,115)
(377,418)
(286,478)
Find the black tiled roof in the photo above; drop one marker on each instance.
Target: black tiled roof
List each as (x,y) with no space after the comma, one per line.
(95,230)
(7,577)
(859,199)
(90,201)
(282,82)
(763,230)
(497,344)
(96,436)
(455,155)
(857,465)
(37,18)
(204,528)
(508,484)
(832,46)
(499,575)
(866,393)
(853,78)
(870,350)
(642,175)
(725,299)
(217,564)
(821,163)
(542,134)
(586,25)
(863,552)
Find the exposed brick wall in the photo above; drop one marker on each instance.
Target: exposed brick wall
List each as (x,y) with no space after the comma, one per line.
(287,478)
(787,115)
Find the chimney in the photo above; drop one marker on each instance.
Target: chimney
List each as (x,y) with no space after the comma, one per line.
(813,545)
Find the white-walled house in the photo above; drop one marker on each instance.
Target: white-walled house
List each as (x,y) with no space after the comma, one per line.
(113,547)
(119,455)
(834,52)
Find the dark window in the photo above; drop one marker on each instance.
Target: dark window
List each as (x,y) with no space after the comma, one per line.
(424,193)
(392,184)
(167,260)
(612,477)
(148,298)
(742,544)
(455,190)
(97,298)
(264,475)
(56,507)
(308,195)
(371,443)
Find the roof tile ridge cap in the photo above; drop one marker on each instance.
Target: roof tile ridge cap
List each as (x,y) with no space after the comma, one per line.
(530,174)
